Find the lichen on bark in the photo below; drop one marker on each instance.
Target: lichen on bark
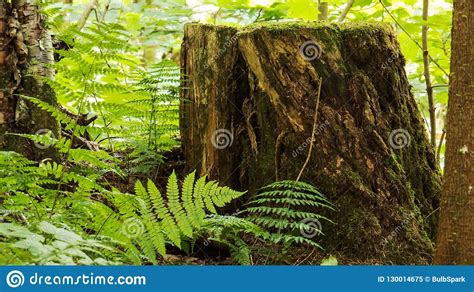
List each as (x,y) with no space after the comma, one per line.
(28,56)
(6,107)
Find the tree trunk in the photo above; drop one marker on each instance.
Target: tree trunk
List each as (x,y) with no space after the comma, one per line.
(455,242)
(249,100)
(8,74)
(26,60)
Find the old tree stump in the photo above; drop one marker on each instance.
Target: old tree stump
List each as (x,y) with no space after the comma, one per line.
(247,112)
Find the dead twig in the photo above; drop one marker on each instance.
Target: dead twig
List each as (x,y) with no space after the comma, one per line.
(313,131)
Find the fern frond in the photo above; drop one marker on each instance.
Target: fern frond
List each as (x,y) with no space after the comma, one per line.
(168,223)
(176,207)
(286,209)
(180,215)
(188,190)
(153,226)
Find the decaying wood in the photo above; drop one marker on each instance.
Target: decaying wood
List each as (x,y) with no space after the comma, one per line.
(207,107)
(83,141)
(371,154)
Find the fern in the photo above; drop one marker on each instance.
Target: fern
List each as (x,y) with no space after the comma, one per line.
(286,209)
(101,74)
(228,231)
(18,174)
(176,207)
(176,216)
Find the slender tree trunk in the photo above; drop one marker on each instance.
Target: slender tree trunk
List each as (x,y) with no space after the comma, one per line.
(27,59)
(346,10)
(323,8)
(426,68)
(455,244)
(7,82)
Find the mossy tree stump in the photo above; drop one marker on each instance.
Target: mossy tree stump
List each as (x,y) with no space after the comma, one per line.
(248,105)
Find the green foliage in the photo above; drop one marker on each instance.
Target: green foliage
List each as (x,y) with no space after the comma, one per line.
(146,223)
(119,68)
(159,106)
(286,209)
(100,74)
(46,244)
(329,261)
(18,174)
(31,194)
(41,202)
(180,215)
(228,231)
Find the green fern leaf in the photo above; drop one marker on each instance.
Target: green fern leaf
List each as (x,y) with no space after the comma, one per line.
(176,207)
(168,224)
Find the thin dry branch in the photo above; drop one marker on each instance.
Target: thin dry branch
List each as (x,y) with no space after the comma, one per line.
(345,11)
(426,69)
(313,131)
(85,15)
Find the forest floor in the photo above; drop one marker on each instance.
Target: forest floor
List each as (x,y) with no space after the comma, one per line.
(209,253)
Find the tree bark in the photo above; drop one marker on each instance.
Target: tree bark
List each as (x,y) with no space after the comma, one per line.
(371,154)
(7,76)
(28,56)
(209,112)
(455,242)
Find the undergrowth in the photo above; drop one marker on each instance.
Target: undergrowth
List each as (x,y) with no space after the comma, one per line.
(70,210)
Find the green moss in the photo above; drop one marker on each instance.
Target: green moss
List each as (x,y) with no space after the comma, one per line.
(366,223)
(211,26)
(283,26)
(373,206)
(364,27)
(355,179)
